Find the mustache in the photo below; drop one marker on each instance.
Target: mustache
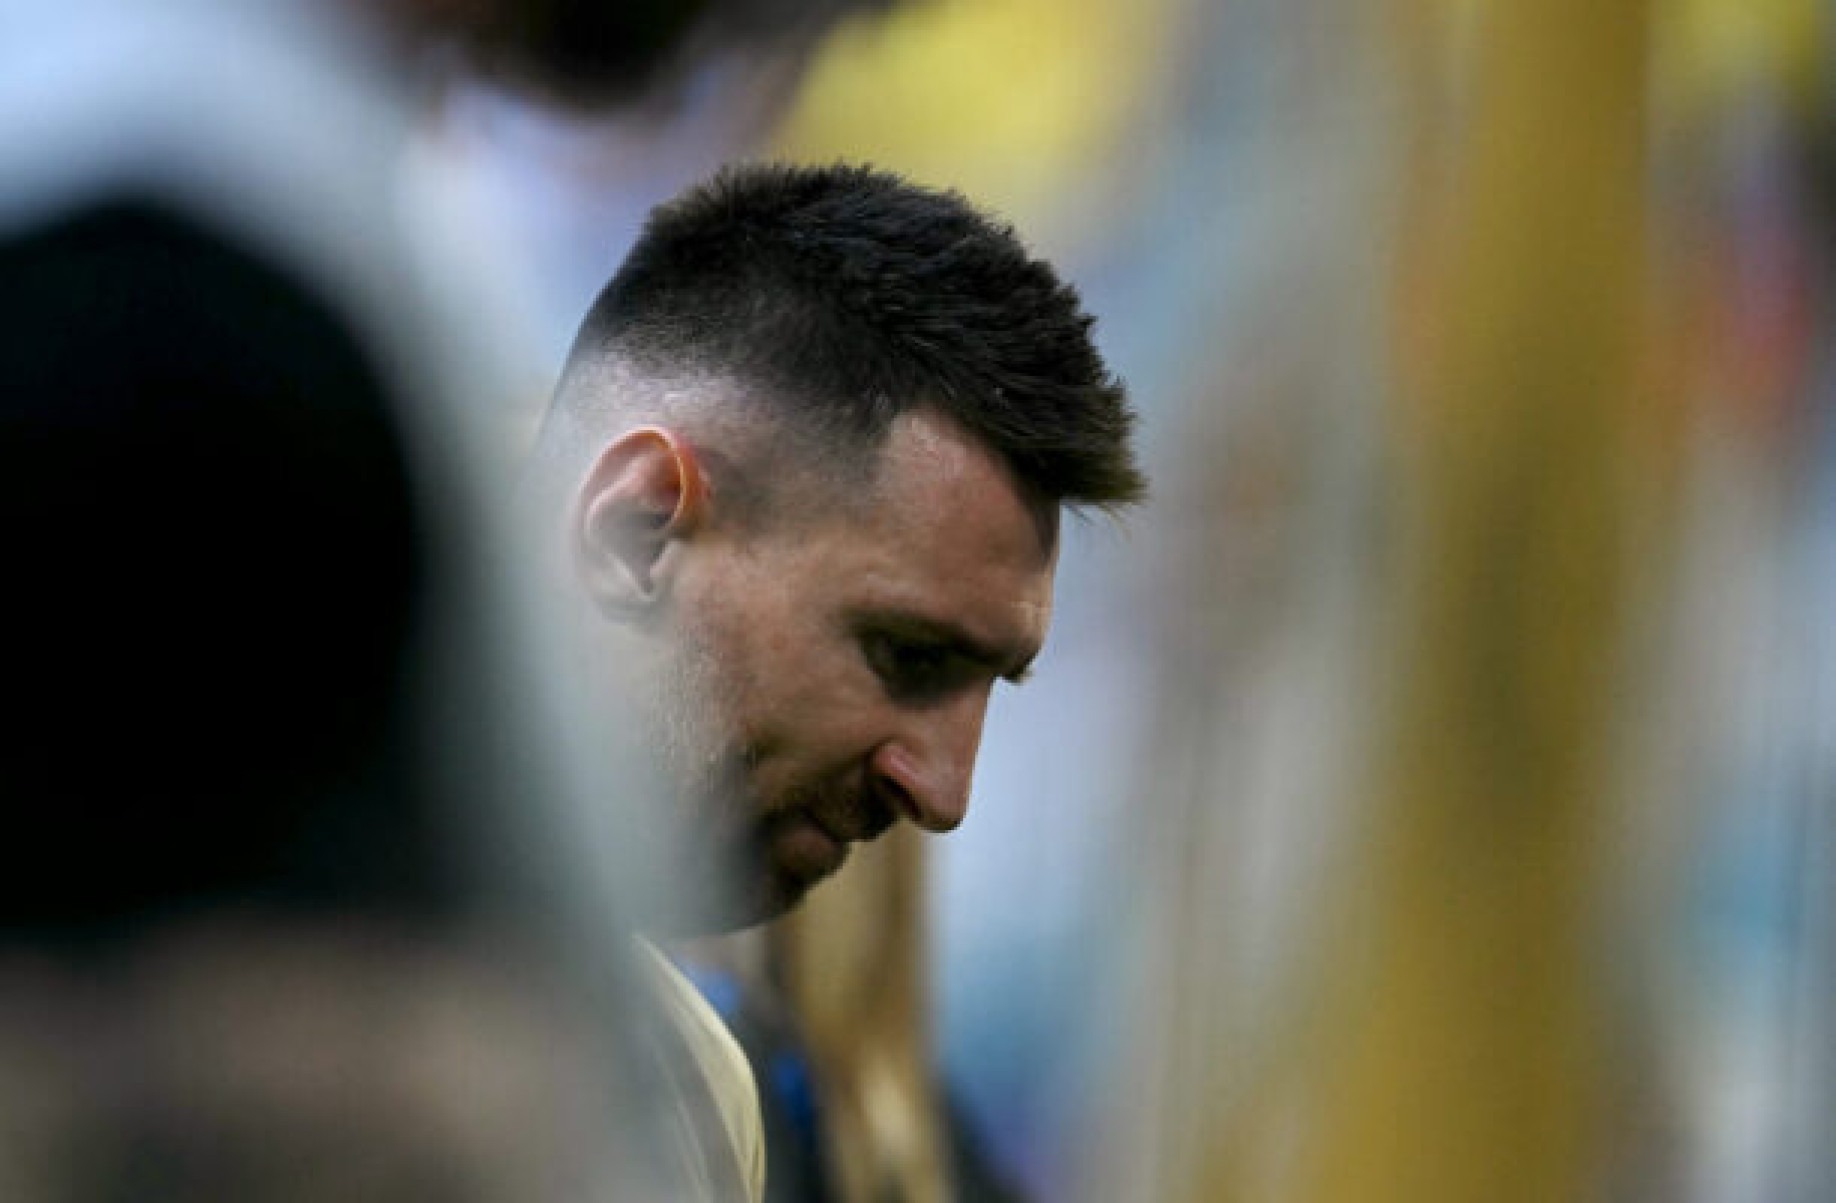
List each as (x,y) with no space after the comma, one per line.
(849,813)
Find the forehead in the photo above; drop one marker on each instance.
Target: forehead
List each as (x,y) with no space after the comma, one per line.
(943,528)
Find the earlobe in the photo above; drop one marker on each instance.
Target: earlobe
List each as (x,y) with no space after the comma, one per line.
(643,495)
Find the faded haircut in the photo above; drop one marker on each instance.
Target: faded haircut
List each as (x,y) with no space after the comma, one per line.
(844,296)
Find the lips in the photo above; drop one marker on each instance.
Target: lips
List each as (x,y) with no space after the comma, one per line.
(809,841)
(806,848)
(856,822)
(830,828)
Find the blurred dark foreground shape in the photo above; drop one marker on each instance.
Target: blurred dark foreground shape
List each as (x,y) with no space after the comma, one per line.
(280,910)
(244,946)
(214,568)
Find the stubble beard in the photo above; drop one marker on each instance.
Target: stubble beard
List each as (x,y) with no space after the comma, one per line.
(707,767)
(729,831)
(691,731)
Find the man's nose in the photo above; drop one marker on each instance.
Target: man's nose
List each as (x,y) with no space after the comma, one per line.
(925,770)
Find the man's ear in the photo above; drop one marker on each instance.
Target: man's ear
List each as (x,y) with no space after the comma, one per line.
(644,492)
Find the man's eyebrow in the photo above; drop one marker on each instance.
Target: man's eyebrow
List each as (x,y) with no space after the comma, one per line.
(1011,665)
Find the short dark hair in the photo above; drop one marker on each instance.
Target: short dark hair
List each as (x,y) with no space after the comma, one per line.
(851,295)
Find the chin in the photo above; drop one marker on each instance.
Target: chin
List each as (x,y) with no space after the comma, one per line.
(714,913)
(776,897)
(741,883)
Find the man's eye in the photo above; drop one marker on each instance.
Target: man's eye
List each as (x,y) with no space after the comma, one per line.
(908,667)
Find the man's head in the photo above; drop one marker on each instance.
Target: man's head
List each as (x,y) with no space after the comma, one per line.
(811,445)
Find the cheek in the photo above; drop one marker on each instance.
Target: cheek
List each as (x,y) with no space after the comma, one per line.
(791,678)
(808,700)
(750,661)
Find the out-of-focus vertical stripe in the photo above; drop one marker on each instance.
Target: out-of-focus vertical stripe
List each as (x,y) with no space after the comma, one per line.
(1457,1057)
